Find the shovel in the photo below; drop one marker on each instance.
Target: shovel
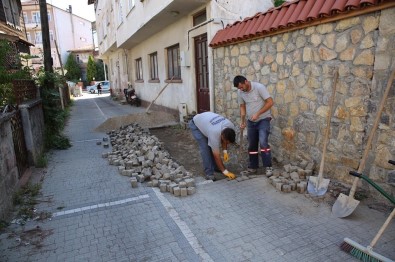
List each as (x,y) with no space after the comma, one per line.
(317,186)
(344,204)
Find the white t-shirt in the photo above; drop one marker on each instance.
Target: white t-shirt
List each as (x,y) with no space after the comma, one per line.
(255,100)
(211,125)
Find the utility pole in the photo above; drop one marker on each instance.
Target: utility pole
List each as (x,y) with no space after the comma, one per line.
(45,37)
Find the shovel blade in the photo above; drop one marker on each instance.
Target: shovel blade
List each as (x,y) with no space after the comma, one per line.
(316,188)
(344,206)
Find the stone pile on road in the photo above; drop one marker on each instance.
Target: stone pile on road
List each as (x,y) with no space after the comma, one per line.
(294,177)
(139,155)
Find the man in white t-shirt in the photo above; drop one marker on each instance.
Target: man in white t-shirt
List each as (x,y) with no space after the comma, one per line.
(213,131)
(255,104)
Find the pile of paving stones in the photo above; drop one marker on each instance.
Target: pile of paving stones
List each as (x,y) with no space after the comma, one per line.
(294,177)
(139,155)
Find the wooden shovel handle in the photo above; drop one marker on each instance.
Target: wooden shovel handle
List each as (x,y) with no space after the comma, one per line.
(371,134)
(328,127)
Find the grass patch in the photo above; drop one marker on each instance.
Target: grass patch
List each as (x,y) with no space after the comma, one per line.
(42,161)
(25,199)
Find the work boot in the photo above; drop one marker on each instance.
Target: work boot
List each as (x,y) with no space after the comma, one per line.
(269,171)
(249,171)
(210,177)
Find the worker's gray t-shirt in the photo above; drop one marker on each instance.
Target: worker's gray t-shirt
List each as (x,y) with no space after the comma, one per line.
(254,100)
(211,126)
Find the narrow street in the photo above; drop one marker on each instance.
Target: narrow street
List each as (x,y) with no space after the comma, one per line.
(98,216)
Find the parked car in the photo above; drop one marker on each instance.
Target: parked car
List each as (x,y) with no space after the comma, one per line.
(105,87)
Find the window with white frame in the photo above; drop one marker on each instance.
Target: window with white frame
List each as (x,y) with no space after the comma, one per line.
(173,62)
(49,17)
(51,37)
(120,15)
(28,37)
(139,69)
(153,58)
(36,17)
(104,26)
(38,37)
(25,18)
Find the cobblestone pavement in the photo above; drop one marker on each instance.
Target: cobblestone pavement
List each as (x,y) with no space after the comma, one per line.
(97,216)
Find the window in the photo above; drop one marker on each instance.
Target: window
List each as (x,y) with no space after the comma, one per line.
(49,17)
(120,16)
(199,18)
(139,69)
(104,26)
(173,62)
(36,17)
(130,4)
(28,37)
(25,18)
(77,57)
(154,66)
(51,35)
(38,38)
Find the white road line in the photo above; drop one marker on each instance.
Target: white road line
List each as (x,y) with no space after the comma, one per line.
(108,204)
(87,140)
(192,240)
(100,110)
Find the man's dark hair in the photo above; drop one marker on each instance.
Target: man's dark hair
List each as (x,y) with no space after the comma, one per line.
(237,80)
(229,134)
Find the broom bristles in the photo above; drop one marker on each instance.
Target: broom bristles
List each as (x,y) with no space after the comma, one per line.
(362,253)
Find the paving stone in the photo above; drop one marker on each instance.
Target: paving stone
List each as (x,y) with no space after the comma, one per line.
(183,192)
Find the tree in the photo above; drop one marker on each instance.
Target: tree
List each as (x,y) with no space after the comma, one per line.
(73,70)
(100,70)
(91,69)
(278,2)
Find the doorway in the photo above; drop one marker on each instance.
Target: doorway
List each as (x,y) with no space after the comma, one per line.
(202,74)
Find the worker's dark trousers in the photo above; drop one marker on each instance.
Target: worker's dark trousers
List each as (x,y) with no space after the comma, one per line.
(258,137)
(205,150)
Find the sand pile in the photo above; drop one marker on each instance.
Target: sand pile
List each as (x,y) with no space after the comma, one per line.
(151,120)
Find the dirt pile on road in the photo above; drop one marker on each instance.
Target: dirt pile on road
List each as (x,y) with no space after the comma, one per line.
(144,120)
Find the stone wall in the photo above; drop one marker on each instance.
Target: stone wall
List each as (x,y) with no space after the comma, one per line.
(297,67)
(8,166)
(33,129)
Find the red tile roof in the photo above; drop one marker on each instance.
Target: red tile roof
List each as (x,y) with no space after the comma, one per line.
(293,15)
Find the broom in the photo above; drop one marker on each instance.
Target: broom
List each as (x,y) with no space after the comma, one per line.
(366,253)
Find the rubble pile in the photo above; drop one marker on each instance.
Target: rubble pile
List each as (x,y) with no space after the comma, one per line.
(293,178)
(139,155)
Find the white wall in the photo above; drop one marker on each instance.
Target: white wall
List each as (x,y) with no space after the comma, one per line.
(176,33)
(66,38)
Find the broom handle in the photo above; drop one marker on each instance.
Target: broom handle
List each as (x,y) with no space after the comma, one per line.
(369,143)
(383,227)
(327,130)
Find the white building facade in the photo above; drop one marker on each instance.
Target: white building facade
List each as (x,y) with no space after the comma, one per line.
(66,30)
(153,43)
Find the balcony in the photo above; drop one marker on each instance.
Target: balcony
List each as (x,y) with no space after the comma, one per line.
(31,24)
(153,16)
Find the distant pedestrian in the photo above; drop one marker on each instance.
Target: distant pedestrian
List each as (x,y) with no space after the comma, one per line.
(98,88)
(213,131)
(255,104)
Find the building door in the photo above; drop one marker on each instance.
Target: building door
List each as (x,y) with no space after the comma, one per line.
(201,65)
